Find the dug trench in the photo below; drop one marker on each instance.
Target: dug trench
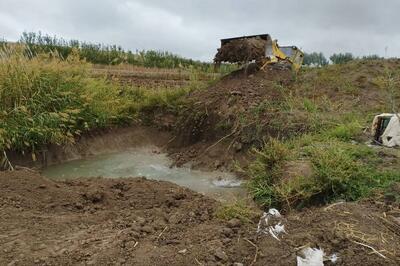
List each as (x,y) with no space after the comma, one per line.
(136,221)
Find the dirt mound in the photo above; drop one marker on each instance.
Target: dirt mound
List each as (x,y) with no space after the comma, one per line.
(241,50)
(231,113)
(141,222)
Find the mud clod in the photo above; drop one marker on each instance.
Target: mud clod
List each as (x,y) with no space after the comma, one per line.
(221,255)
(234,223)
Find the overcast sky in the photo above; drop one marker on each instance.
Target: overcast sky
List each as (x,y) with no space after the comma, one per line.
(193,28)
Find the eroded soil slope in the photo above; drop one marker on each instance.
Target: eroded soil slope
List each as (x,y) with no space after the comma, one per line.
(141,222)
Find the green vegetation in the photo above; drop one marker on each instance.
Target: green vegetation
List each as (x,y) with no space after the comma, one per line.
(105,54)
(37,43)
(340,171)
(328,161)
(49,100)
(239,210)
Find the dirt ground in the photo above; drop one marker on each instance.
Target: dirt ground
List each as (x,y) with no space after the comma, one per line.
(136,221)
(151,77)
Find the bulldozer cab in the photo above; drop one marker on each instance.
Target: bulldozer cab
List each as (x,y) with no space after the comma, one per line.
(294,55)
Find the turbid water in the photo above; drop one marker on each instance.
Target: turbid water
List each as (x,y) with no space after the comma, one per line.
(150,163)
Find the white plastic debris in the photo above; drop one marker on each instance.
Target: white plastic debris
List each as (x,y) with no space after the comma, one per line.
(311,257)
(276,230)
(270,224)
(314,257)
(274,212)
(333,258)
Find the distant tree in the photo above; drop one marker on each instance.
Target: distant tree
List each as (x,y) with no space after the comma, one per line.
(341,58)
(371,57)
(314,58)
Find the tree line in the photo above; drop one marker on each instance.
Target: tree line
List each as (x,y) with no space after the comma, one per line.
(319,59)
(113,55)
(104,54)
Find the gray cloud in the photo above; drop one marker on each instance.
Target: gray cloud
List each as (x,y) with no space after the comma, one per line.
(193,28)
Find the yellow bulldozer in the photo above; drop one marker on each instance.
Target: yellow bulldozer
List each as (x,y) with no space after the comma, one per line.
(261,49)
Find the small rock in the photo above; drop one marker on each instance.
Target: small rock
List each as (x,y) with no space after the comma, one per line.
(141,221)
(174,219)
(147,229)
(220,254)
(396,219)
(236,93)
(183,251)
(42,186)
(217,164)
(172,242)
(227,231)
(238,264)
(233,223)
(179,196)
(237,146)
(96,196)
(226,241)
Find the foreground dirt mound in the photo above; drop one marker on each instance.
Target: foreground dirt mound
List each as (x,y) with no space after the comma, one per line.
(141,222)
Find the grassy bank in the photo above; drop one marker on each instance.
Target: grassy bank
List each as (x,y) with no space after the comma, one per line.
(331,160)
(50,100)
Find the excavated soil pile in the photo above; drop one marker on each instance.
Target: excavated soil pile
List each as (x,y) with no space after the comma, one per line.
(141,222)
(231,112)
(241,50)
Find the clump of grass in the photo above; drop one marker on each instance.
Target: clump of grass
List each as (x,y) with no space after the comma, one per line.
(345,131)
(341,171)
(238,209)
(266,170)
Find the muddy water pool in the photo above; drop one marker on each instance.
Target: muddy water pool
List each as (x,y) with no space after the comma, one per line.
(149,162)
